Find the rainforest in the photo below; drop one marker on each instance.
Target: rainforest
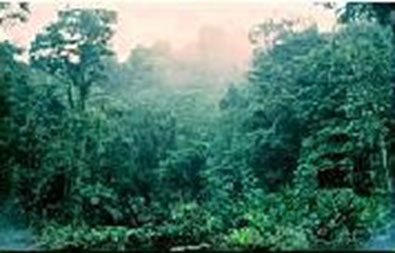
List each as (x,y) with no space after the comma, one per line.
(297,152)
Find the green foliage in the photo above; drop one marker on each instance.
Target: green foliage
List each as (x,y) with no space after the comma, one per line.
(73,47)
(293,156)
(266,226)
(366,11)
(181,173)
(184,224)
(321,105)
(343,217)
(346,121)
(273,123)
(13,80)
(56,236)
(188,223)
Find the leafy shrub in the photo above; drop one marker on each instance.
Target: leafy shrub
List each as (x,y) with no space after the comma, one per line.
(344,218)
(99,204)
(186,224)
(57,236)
(277,222)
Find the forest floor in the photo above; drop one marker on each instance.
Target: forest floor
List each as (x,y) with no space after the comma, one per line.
(14,231)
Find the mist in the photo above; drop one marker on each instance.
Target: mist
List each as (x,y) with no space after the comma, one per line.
(196,126)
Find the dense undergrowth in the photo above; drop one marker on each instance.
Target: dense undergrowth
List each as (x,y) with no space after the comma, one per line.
(111,155)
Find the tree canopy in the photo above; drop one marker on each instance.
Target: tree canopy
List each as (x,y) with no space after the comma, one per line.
(294,154)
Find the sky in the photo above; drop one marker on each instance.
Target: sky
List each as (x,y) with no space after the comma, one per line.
(183,24)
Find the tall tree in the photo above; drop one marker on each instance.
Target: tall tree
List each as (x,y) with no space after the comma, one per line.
(11,72)
(384,13)
(72,48)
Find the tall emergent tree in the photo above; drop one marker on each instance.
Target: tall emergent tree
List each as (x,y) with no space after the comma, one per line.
(72,49)
(10,73)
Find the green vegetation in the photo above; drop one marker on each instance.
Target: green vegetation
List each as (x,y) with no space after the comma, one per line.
(295,155)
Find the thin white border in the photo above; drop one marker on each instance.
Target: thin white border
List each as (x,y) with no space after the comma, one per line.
(197,1)
(191,1)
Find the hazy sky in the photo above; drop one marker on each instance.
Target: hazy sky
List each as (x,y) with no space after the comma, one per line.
(178,22)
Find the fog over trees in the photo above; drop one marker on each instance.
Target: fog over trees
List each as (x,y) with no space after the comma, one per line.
(180,148)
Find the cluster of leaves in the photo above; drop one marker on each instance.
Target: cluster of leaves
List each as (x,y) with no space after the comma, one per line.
(82,236)
(293,157)
(315,118)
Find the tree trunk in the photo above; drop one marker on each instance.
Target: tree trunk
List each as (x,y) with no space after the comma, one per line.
(70,95)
